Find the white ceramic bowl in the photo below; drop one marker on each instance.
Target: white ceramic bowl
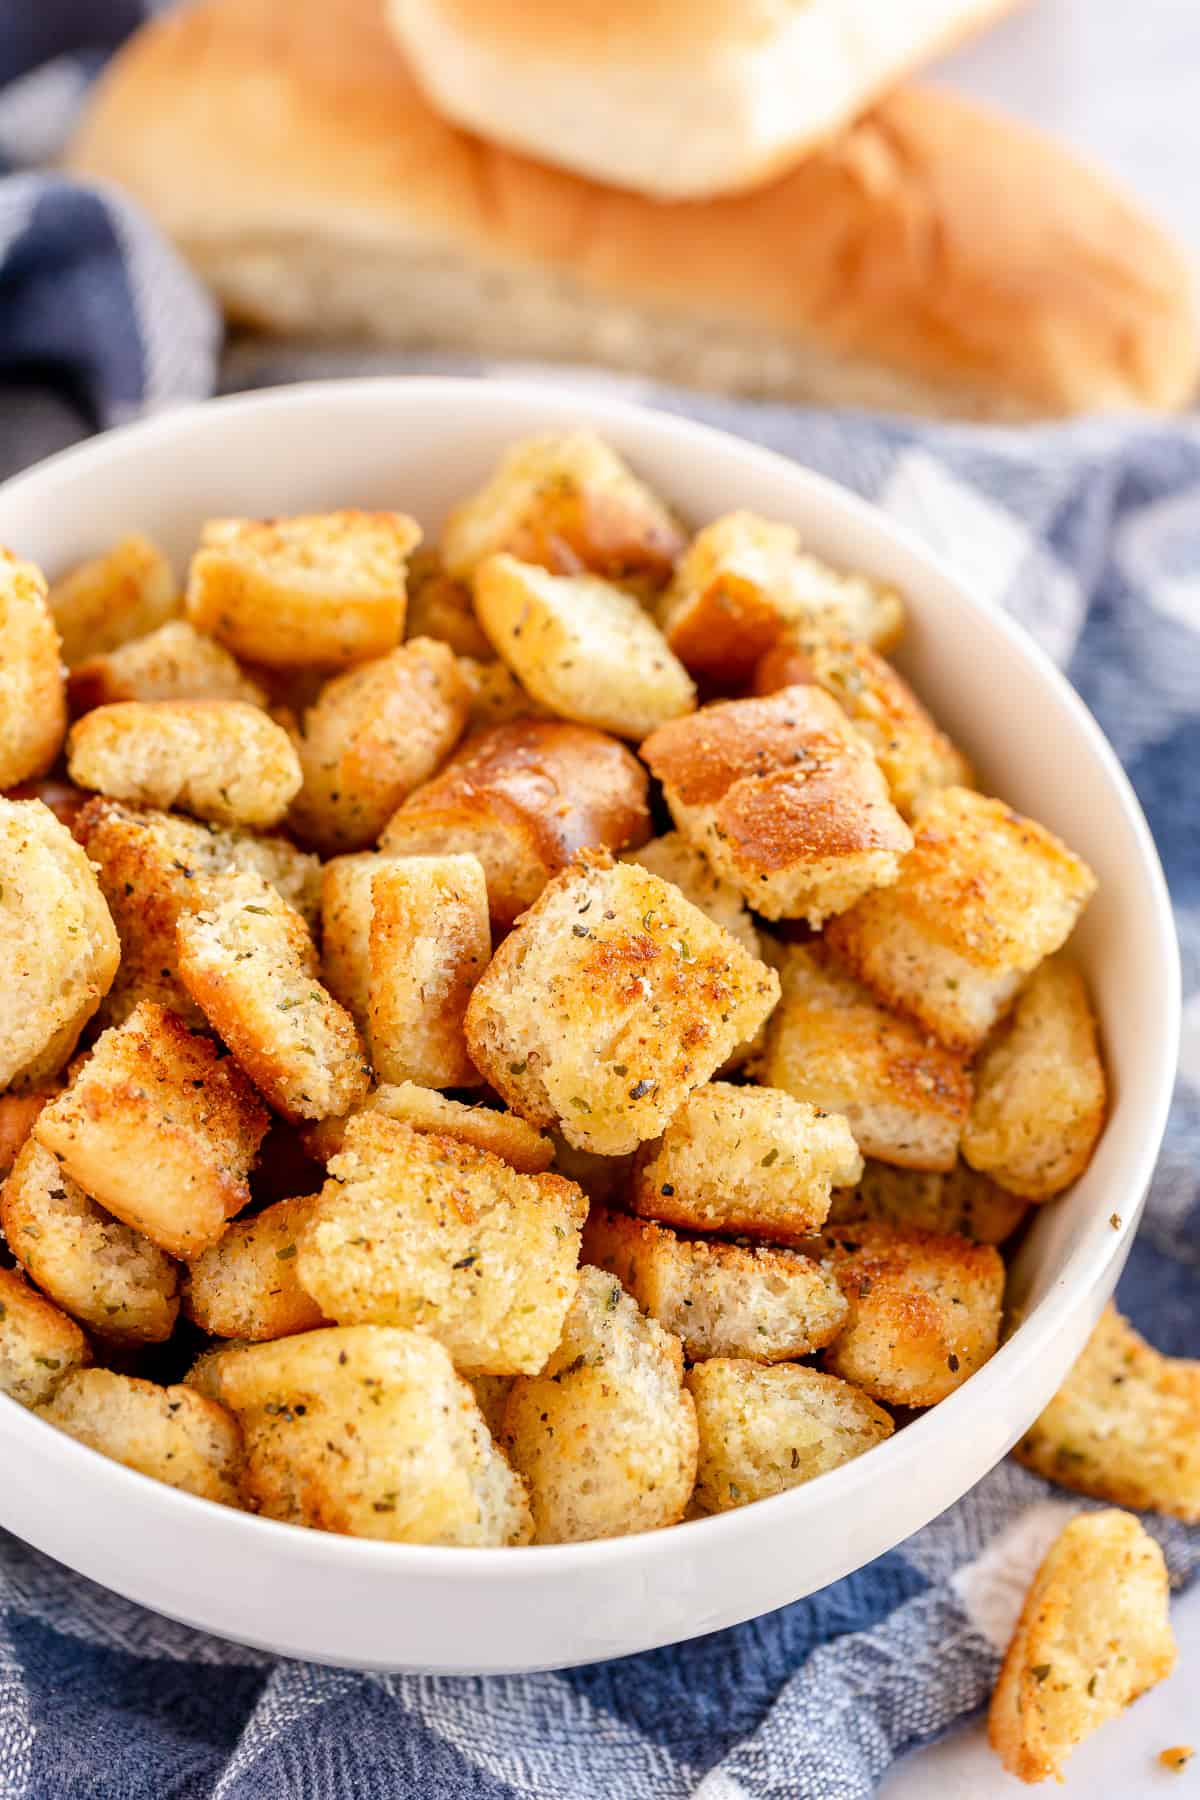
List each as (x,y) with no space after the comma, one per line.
(420,444)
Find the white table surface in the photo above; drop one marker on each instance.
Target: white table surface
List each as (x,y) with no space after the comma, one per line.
(1119,79)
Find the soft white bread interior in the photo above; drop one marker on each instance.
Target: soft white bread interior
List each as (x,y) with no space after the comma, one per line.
(931,258)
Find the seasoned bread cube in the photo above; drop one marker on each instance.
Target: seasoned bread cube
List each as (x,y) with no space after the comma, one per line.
(346,909)
(424,1231)
(173,663)
(249,963)
(764,1430)
(247,1286)
(497,697)
(38,1343)
(1093,1634)
(17,1113)
(983,896)
(110,1278)
(747,1160)
(429,942)
(785,800)
(370,1432)
(317,588)
(955,1200)
(372,736)
(718,1299)
(830,1042)
(606,1434)
(569,503)
(123,594)
(219,759)
(524,798)
(171,1434)
(58,946)
(440,607)
(160,1129)
(1040,1092)
(582,647)
(1123,1426)
(674,859)
(609,1002)
(924,1310)
(33,708)
(506,1135)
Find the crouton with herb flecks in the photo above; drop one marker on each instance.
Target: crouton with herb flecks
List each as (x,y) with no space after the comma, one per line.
(122,594)
(169,1433)
(39,1344)
(176,662)
(497,697)
(674,859)
(247,1286)
(440,607)
(428,943)
(33,708)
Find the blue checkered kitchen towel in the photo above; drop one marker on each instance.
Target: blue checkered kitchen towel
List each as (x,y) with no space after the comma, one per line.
(1091,535)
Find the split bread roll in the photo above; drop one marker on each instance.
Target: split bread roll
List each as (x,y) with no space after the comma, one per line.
(934,258)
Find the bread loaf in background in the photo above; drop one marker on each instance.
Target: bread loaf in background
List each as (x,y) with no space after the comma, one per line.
(933,258)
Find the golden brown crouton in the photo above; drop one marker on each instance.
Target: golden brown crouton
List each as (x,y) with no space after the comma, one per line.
(1093,1634)
(674,859)
(247,1286)
(718,1299)
(249,963)
(33,708)
(429,942)
(317,588)
(107,1276)
(173,663)
(584,648)
(369,1431)
(1040,1092)
(219,759)
(983,896)
(924,1309)
(764,1430)
(606,1434)
(17,1113)
(160,1129)
(424,1231)
(346,909)
(1123,1426)
(373,735)
(955,1200)
(748,1160)
(784,798)
(38,1343)
(609,1002)
(569,503)
(830,1042)
(506,1135)
(171,1434)
(524,798)
(123,594)
(497,697)
(440,607)
(58,945)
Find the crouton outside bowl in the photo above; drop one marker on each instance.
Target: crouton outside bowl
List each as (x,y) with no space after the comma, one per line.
(420,444)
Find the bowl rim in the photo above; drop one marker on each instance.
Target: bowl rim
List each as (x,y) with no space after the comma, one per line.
(1090,1260)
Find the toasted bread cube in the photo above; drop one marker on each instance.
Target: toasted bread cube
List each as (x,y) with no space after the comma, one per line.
(373,735)
(718,1299)
(33,708)
(58,945)
(569,503)
(764,1430)
(219,759)
(609,1002)
(785,799)
(430,941)
(1040,1092)
(318,588)
(346,909)
(440,607)
(110,1278)
(172,1434)
(585,649)
(506,1135)
(123,594)
(830,1042)
(523,798)
(1123,1425)
(606,1434)
(247,1286)
(17,1113)
(173,663)
(249,963)
(370,1432)
(982,898)
(160,1129)
(38,1343)
(955,1200)
(924,1309)
(1093,1634)
(497,697)
(674,859)
(747,1160)
(425,1231)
